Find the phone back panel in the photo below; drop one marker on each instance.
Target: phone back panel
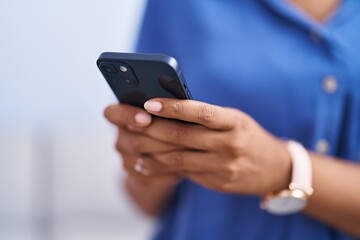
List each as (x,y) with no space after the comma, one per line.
(136,78)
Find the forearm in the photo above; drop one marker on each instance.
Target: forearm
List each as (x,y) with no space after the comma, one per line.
(336,198)
(150,196)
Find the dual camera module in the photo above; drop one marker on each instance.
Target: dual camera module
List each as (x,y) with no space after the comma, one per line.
(119,72)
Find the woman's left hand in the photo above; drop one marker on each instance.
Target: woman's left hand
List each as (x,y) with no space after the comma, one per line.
(226,150)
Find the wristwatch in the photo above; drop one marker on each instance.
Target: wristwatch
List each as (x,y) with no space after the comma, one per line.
(295,198)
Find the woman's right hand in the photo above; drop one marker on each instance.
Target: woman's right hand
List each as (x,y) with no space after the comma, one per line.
(134,146)
(149,190)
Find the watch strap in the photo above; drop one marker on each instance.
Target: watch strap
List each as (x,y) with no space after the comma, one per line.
(301,167)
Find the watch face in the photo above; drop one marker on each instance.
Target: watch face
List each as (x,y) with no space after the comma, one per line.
(286,205)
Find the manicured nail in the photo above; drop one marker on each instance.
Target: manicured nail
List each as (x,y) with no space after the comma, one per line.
(153,106)
(142,118)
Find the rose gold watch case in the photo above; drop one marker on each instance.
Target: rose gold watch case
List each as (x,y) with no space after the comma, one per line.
(285,202)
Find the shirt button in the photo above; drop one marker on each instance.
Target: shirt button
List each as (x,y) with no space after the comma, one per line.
(330,84)
(322,146)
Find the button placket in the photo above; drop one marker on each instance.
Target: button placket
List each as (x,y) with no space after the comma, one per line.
(330,86)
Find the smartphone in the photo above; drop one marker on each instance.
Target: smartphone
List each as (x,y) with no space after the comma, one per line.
(136,78)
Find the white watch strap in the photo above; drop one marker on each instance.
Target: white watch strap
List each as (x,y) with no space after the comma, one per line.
(301,167)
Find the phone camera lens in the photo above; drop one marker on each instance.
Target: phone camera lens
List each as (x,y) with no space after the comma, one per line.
(123,69)
(108,69)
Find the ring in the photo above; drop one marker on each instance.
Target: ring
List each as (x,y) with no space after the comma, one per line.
(139,167)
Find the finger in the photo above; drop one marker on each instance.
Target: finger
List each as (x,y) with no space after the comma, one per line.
(188,135)
(123,114)
(207,180)
(146,165)
(129,161)
(152,182)
(211,116)
(189,161)
(137,143)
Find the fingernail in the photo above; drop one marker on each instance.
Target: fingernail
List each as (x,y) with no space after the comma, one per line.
(153,106)
(142,118)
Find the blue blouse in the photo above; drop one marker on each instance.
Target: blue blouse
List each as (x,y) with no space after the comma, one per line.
(298,79)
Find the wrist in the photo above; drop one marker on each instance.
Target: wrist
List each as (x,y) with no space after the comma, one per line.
(282,168)
(293,198)
(152,183)
(149,193)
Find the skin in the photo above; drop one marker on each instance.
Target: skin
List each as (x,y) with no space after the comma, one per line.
(226,150)
(218,148)
(319,11)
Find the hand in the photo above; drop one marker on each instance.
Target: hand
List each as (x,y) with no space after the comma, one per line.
(226,150)
(135,146)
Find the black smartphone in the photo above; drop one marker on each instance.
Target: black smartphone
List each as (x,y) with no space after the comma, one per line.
(136,78)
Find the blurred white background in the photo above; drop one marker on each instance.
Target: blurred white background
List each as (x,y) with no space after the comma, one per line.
(60,177)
